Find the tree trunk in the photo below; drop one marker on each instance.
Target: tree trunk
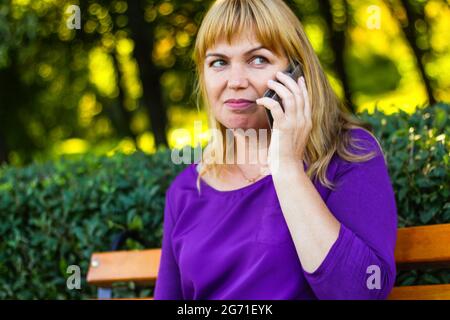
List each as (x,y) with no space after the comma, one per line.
(418,52)
(338,43)
(124,125)
(3,151)
(142,35)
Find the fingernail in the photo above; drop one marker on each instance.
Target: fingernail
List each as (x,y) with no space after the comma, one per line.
(270,81)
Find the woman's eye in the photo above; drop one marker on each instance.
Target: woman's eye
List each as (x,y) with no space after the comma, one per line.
(214,63)
(260,57)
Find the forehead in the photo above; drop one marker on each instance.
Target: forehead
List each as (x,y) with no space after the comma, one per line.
(242,43)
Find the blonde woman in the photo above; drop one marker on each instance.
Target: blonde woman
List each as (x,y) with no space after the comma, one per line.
(315,217)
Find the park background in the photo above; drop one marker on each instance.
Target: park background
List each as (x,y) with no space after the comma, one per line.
(88,118)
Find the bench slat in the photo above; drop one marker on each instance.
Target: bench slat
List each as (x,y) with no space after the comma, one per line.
(423,292)
(140,266)
(423,246)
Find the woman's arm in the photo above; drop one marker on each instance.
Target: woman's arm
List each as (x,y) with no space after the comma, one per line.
(349,241)
(168,285)
(313,227)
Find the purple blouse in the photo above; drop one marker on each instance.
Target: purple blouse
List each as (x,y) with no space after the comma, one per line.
(235,245)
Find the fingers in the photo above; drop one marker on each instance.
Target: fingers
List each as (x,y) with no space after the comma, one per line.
(273,106)
(294,91)
(307,105)
(295,99)
(287,98)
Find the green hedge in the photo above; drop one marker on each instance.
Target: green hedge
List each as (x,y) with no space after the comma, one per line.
(56,214)
(417,151)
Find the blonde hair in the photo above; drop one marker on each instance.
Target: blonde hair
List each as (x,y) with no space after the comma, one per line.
(276,26)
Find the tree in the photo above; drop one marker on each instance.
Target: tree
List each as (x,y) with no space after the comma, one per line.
(337,26)
(415,14)
(150,75)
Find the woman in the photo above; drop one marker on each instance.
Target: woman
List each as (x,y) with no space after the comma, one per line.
(315,217)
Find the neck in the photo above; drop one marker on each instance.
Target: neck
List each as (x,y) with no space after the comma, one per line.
(251,150)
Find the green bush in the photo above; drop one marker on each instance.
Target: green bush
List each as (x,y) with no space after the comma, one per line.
(417,150)
(56,214)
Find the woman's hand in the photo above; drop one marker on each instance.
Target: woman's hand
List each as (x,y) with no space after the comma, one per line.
(290,128)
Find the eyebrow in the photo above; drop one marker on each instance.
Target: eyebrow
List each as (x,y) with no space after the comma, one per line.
(224,56)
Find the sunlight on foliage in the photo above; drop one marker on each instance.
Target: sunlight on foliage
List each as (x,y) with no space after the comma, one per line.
(101,72)
(314,31)
(88,108)
(125,146)
(139,122)
(63,84)
(71,146)
(368,42)
(188,127)
(129,71)
(146,142)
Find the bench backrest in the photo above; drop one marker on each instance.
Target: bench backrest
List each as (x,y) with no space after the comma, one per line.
(417,247)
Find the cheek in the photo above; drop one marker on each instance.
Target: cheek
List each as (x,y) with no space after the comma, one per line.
(261,84)
(213,88)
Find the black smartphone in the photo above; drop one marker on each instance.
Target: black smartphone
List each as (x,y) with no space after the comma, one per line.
(294,71)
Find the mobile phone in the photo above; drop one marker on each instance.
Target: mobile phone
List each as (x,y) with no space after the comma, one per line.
(295,71)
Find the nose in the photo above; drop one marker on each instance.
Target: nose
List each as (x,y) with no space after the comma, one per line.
(238,78)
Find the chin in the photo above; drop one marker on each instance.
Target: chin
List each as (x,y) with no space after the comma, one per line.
(244,125)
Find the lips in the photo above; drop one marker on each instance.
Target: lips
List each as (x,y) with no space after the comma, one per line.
(239,103)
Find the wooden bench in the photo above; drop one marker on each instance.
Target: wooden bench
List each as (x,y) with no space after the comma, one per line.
(417,248)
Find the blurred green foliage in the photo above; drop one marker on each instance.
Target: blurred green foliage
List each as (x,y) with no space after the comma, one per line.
(417,151)
(58,213)
(124,80)
(378,67)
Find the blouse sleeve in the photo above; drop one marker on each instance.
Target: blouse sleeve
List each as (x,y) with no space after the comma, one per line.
(360,264)
(168,285)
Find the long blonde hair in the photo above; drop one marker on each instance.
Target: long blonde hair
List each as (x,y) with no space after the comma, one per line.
(276,26)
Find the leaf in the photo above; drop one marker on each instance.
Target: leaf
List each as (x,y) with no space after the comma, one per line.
(136,224)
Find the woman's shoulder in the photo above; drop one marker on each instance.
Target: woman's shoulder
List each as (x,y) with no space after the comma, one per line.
(184,179)
(365,141)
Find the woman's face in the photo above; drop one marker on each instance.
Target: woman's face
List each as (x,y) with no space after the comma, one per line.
(240,71)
